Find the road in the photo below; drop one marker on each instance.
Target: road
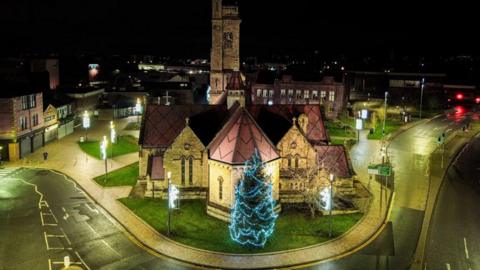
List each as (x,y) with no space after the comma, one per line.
(409,153)
(45,217)
(453,238)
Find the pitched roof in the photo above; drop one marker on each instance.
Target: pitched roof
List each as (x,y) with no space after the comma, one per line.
(276,120)
(239,138)
(335,158)
(235,82)
(162,124)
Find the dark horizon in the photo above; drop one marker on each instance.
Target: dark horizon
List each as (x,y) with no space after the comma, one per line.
(269,27)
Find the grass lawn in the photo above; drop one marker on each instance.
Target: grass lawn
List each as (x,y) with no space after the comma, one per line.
(391,125)
(126,176)
(193,227)
(124,145)
(132,126)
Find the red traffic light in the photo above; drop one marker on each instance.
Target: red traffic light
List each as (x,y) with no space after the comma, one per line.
(477,100)
(459,96)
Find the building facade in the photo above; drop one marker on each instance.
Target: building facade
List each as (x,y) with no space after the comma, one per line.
(21,123)
(225,52)
(328,93)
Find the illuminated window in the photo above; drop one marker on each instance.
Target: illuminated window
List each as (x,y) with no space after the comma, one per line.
(190,171)
(282,92)
(314,94)
(323,94)
(270,93)
(265,92)
(259,92)
(331,96)
(306,94)
(298,94)
(290,93)
(24,102)
(23,123)
(220,188)
(183,170)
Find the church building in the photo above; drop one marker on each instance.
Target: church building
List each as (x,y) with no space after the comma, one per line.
(205,147)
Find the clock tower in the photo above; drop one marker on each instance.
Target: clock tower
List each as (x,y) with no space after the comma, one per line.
(225,52)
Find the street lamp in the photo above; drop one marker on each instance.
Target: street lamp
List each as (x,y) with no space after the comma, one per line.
(385,116)
(113,136)
(86,123)
(421,96)
(103,151)
(172,198)
(1,148)
(138,108)
(332,179)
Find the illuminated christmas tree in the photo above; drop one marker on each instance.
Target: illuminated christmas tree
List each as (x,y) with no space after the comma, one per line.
(253,217)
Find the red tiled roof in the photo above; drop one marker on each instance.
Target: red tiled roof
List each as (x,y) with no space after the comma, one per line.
(335,158)
(315,132)
(235,82)
(239,138)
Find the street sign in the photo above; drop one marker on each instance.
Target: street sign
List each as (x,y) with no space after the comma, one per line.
(384,170)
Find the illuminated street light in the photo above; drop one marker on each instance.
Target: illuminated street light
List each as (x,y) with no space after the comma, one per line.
(332,179)
(86,123)
(138,109)
(103,152)
(172,197)
(113,136)
(384,117)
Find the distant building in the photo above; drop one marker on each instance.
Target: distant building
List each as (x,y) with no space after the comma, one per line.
(21,121)
(327,93)
(50,66)
(362,85)
(84,98)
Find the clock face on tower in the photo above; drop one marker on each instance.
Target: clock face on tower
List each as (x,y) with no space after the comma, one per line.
(227,39)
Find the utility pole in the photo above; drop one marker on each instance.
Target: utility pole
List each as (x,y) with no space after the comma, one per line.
(421,96)
(384,117)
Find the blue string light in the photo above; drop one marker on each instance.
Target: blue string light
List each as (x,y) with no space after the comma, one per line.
(252,216)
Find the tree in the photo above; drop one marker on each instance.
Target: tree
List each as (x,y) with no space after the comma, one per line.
(253,217)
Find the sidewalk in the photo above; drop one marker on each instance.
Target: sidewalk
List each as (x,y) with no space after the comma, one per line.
(66,157)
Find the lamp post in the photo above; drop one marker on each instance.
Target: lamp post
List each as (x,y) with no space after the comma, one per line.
(103,151)
(86,123)
(1,150)
(384,116)
(421,96)
(169,177)
(138,109)
(331,178)
(113,136)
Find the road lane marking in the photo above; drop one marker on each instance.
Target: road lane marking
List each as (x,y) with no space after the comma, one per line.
(41,218)
(46,241)
(91,209)
(66,237)
(41,202)
(91,228)
(448,267)
(108,245)
(466,249)
(80,258)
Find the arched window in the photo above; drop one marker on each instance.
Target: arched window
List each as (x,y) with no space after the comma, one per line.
(190,170)
(289,161)
(183,170)
(220,188)
(297,161)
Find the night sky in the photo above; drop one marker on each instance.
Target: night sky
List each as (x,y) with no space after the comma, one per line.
(182,28)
